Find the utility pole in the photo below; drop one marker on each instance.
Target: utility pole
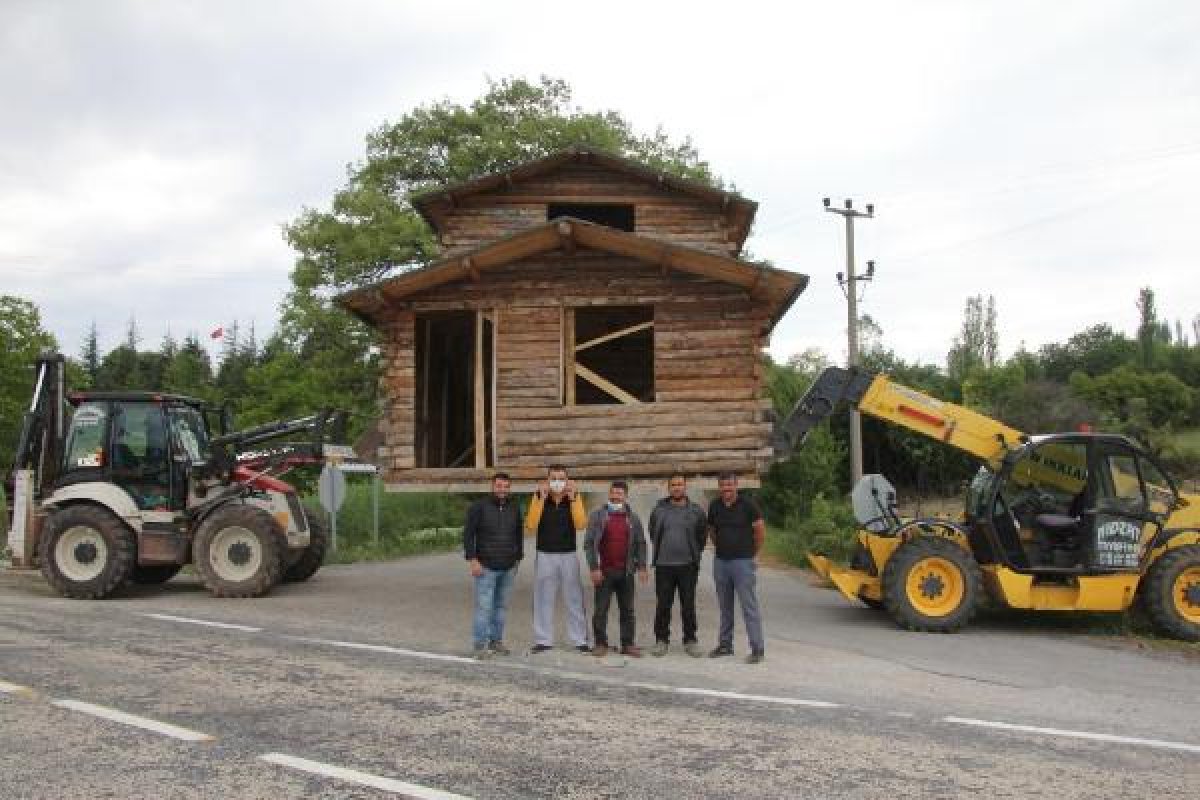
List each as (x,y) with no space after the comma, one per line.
(848,281)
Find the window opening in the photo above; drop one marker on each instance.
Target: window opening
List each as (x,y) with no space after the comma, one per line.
(447,396)
(610,355)
(614,215)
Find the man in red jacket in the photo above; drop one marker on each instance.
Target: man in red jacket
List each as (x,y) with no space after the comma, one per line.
(615,546)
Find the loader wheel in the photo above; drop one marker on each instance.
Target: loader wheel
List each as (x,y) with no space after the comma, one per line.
(312,557)
(931,584)
(87,552)
(1172,593)
(238,552)
(154,574)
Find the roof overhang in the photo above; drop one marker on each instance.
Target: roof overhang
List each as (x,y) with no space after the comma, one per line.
(434,205)
(776,287)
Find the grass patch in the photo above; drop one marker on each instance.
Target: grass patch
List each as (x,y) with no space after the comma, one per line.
(409,524)
(828,530)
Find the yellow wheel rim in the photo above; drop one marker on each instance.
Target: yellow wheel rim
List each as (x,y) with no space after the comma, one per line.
(1187,594)
(935,586)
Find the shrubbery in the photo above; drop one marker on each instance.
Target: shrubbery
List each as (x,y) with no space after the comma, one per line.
(408,523)
(829,529)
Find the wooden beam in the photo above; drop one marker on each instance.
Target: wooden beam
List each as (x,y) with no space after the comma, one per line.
(606,386)
(495,316)
(470,268)
(480,421)
(608,337)
(565,239)
(569,353)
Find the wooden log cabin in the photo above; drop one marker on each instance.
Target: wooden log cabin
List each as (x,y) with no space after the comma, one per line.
(585,310)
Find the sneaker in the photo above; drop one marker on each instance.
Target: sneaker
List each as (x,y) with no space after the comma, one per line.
(721,650)
(756,657)
(540,648)
(660,649)
(499,649)
(583,648)
(693,649)
(481,652)
(631,650)
(600,650)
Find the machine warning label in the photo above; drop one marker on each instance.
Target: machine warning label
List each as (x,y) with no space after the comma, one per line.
(1117,543)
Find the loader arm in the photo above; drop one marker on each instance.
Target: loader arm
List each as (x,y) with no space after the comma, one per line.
(879,396)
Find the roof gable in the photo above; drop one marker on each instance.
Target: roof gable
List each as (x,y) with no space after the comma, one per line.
(434,205)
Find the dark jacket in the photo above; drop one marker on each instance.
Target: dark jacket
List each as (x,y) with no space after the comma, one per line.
(635,558)
(493,533)
(690,515)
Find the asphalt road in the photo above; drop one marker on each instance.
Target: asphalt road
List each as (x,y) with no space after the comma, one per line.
(356,685)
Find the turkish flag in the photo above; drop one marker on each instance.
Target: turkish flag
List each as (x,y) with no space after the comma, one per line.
(217,334)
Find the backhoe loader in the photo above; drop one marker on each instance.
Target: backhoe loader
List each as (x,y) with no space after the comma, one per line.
(1058,522)
(115,487)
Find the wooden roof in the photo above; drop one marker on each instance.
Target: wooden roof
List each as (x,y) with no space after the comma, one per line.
(776,287)
(433,205)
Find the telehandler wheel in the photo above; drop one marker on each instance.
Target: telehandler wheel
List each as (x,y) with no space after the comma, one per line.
(238,551)
(153,574)
(312,557)
(87,552)
(1171,595)
(931,584)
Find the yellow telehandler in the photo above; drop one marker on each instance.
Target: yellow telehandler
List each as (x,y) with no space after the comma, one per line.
(1057,522)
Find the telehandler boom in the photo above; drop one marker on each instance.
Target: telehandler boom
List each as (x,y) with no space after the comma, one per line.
(1057,522)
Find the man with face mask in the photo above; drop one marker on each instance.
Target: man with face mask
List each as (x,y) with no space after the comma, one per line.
(555,515)
(615,546)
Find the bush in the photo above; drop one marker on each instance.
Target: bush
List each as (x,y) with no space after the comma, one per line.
(408,523)
(829,529)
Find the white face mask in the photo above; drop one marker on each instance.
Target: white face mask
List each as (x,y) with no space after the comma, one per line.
(558,486)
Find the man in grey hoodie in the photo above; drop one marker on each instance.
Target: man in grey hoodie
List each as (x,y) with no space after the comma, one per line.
(615,546)
(678,530)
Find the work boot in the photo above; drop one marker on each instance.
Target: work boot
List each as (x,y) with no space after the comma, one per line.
(660,649)
(721,650)
(499,649)
(583,648)
(481,652)
(693,649)
(631,650)
(540,648)
(600,650)
(756,657)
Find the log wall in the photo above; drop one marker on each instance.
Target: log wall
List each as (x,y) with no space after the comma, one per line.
(659,213)
(710,411)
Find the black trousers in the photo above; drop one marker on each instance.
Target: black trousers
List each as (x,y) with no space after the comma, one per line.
(668,580)
(622,585)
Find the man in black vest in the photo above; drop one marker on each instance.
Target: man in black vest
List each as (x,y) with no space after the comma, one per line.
(493,545)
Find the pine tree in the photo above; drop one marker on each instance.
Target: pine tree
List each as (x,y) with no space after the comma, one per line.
(89,355)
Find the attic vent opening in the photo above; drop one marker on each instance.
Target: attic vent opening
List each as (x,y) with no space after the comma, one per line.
(614,215)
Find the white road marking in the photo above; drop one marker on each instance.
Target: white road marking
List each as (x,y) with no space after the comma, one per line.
(208,623)
(382,648)
(16,688)
(154,726)
(410,790)
(1097,737)
(758,698)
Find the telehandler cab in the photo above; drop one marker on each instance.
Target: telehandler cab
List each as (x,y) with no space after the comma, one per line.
(134,485)
(1059,522)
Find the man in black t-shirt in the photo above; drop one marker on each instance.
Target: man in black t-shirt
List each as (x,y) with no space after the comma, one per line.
(737,530)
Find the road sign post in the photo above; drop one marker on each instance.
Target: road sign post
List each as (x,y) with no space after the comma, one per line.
(331,490)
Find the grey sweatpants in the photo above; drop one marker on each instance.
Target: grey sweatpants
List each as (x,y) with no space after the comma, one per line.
(738,576)
(554,571)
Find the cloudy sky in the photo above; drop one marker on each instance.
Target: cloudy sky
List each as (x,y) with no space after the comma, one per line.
(1044,153)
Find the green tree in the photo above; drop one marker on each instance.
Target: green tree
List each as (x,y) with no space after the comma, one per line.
(978,342)
(89,355)
(190,370)
(22,339)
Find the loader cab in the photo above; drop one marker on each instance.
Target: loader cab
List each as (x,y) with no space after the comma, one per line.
(1071,504)
(145,443)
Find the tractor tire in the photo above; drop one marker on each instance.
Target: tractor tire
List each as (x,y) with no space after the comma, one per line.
(87,552)
(931,584)
(238,551)
(312,557)
(154,574)
(1171,596)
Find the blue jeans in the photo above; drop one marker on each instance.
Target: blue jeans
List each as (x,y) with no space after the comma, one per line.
(738,576)
(492,590)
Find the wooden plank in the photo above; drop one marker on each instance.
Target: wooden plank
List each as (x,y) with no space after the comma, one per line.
(569,354)
(608,337)
(660,433)
(480,413)
(605,386)
(606,450)
(636,424)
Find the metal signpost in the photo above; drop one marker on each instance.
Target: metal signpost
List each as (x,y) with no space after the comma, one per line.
(331,490)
